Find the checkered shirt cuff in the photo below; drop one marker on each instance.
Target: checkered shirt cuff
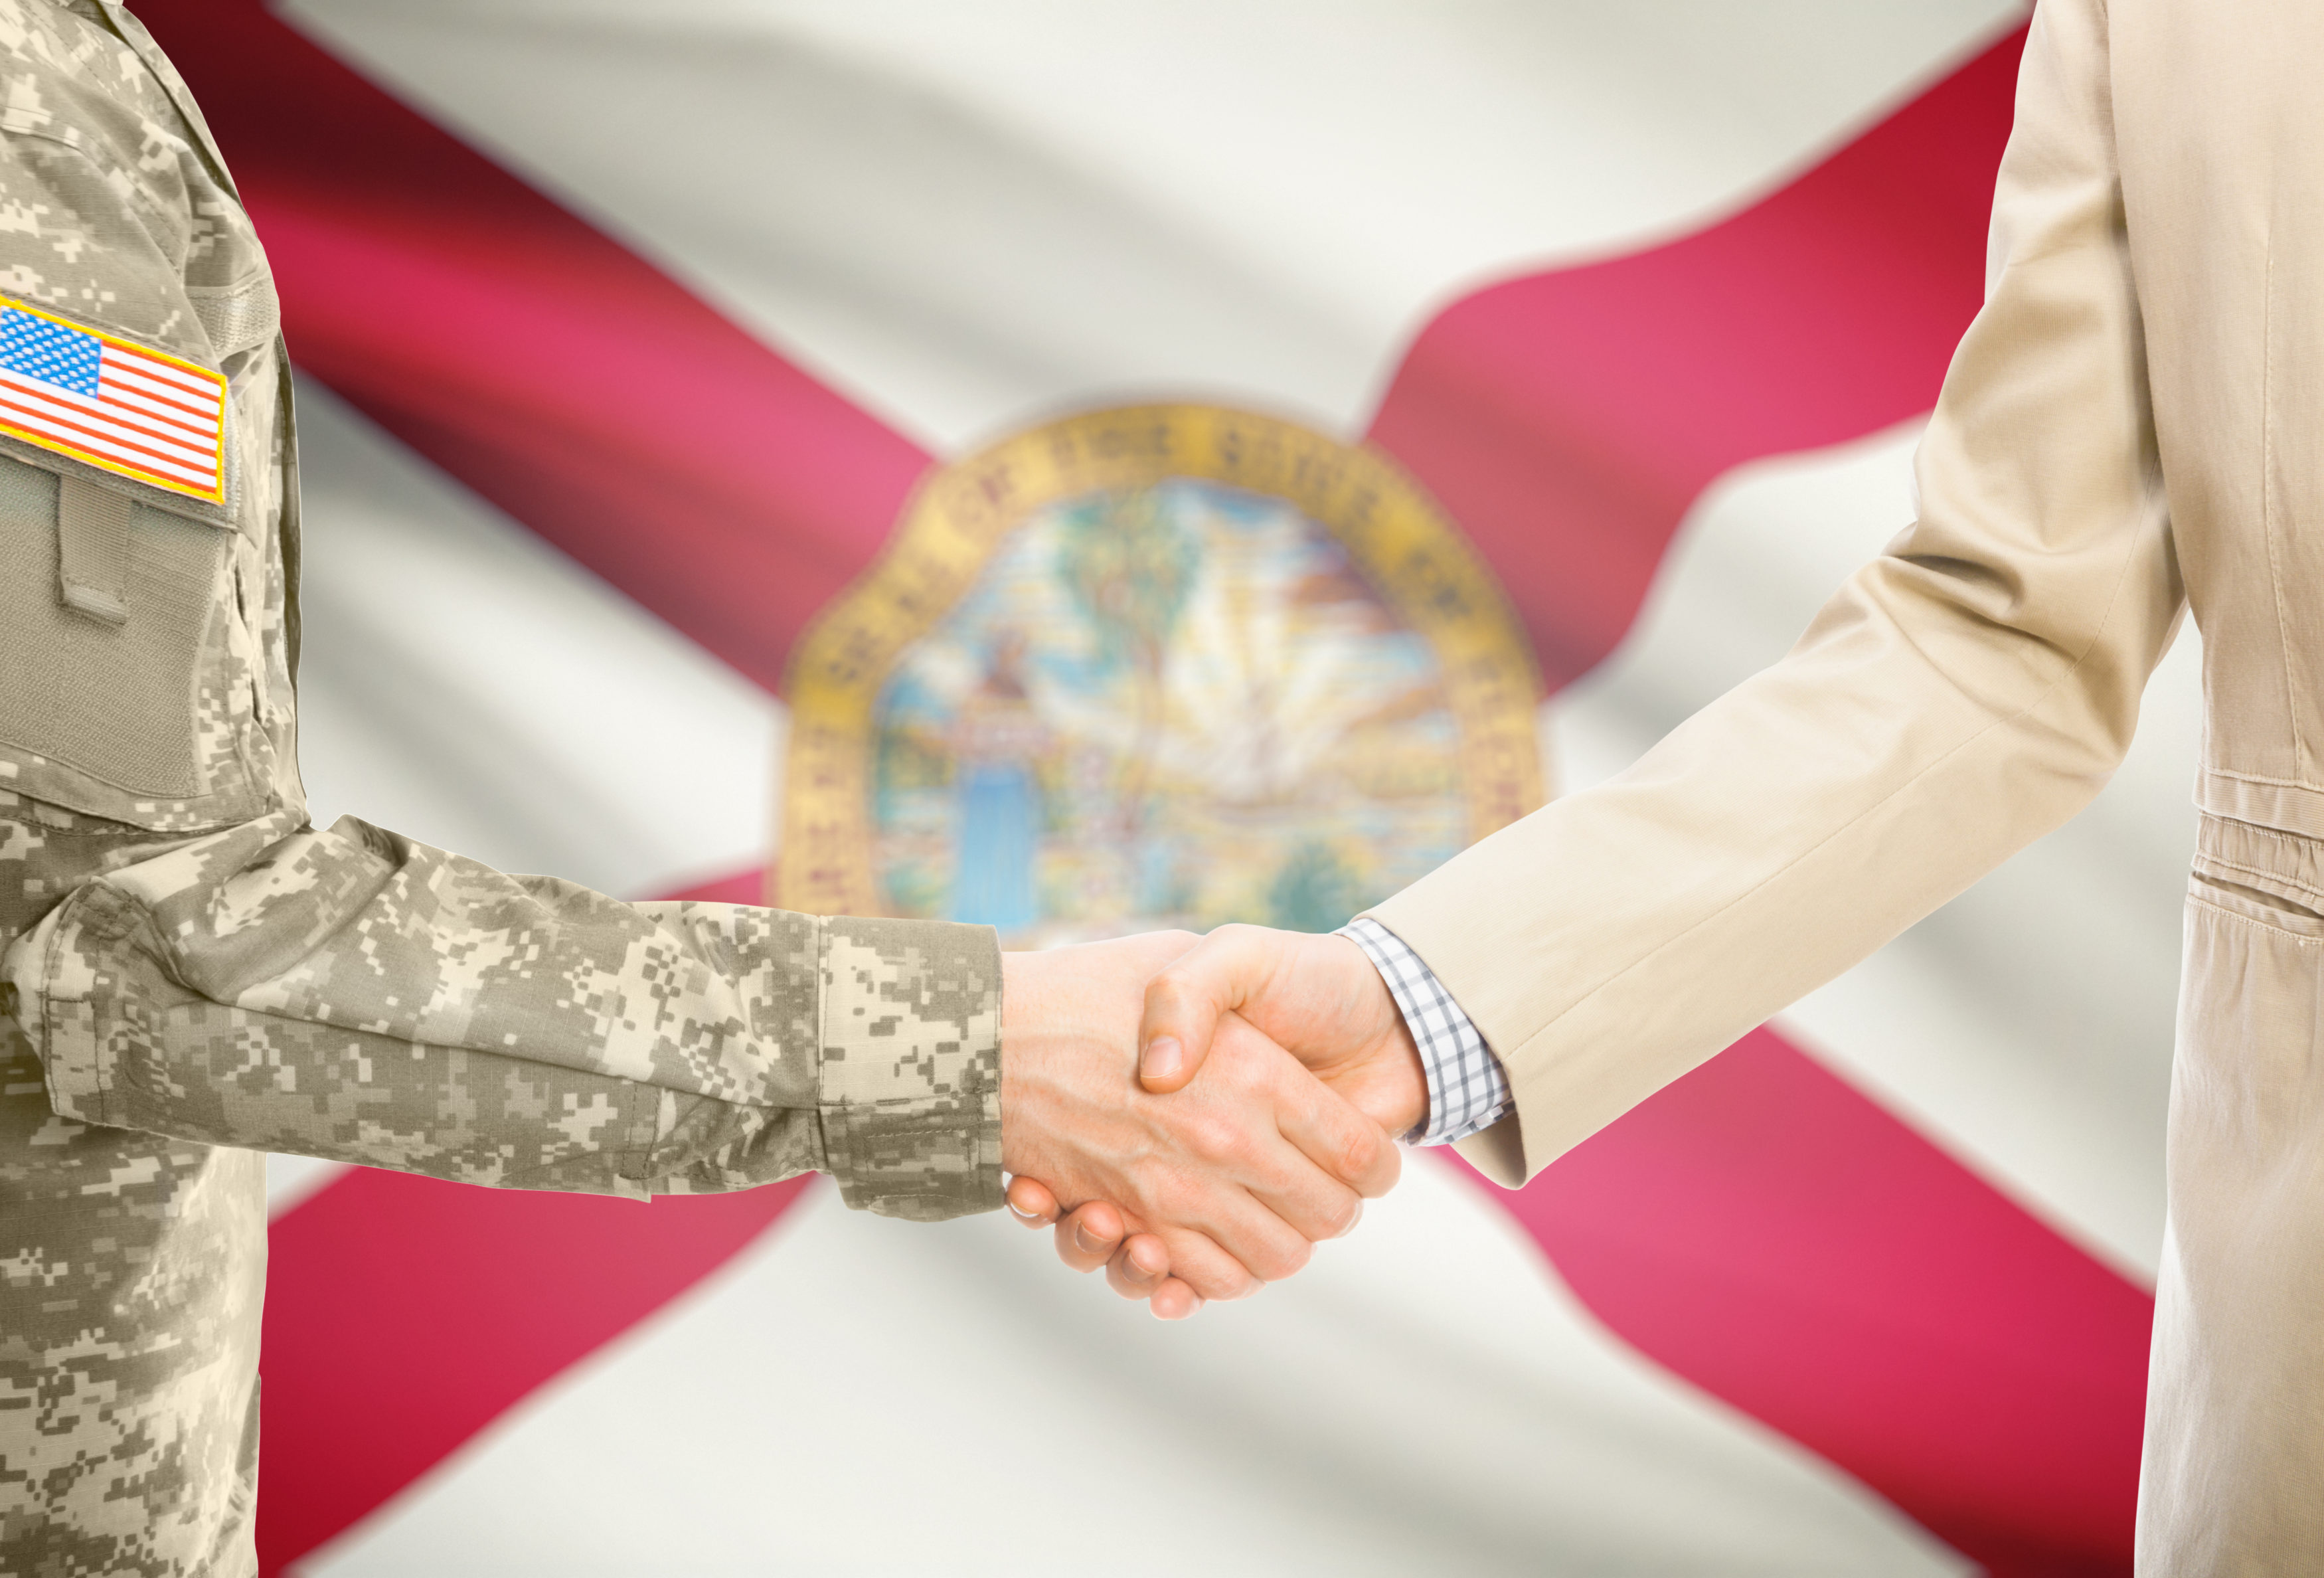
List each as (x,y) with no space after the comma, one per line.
(1467,1088)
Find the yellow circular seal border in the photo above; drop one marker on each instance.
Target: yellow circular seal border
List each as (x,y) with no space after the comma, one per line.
(1415,558)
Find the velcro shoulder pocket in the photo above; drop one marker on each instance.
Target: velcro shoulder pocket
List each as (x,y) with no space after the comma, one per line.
(118,690)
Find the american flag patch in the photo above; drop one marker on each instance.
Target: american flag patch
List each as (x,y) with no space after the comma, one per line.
(113,404)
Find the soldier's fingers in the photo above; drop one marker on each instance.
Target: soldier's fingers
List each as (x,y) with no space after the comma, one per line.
(1205,1267)
(1174,1301)
(1088,1237)
(1031,1203)
(1167,1296)
(1140,1267)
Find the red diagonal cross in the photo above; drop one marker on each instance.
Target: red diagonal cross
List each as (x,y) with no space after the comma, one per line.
(1760,1227)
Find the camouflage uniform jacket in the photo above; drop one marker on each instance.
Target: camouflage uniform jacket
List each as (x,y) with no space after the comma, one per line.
(196,976)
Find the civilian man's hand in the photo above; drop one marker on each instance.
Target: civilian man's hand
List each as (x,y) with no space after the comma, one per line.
(1228,1182)
(1320,998)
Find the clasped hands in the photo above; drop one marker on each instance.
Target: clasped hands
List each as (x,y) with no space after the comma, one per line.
(1195,1114)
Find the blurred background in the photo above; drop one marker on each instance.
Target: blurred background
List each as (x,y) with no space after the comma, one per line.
(626,331)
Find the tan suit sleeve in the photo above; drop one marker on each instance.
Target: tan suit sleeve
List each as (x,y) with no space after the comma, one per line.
(1963,694)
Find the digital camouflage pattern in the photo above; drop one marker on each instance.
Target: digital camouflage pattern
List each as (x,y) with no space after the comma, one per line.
(350,995)
(131,1269)
(911,1064)
(195,975)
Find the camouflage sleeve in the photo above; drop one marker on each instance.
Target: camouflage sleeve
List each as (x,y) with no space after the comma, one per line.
(351,995)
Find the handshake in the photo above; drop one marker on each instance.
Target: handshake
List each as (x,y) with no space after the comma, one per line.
(1196,1113)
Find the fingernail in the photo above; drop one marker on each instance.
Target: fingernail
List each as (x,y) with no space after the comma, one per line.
(1162,1057)
(1020,1213)
(1088,1241)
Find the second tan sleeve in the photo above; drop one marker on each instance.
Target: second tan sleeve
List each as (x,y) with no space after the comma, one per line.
(1964,693)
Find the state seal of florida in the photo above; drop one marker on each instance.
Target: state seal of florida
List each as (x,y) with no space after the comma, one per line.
(1161,665)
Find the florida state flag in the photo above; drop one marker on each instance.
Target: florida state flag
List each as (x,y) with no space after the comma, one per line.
(1078,468)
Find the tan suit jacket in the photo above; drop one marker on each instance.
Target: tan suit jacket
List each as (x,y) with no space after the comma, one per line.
(2135,423)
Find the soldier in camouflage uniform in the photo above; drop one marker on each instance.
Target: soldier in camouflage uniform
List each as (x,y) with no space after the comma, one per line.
(195,975)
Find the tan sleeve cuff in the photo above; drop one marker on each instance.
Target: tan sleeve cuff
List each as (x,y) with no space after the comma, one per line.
(911,1065)
(1498,1152)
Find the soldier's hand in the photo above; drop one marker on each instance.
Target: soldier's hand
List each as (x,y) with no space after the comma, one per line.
(1137,1266)
(1223,1187)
